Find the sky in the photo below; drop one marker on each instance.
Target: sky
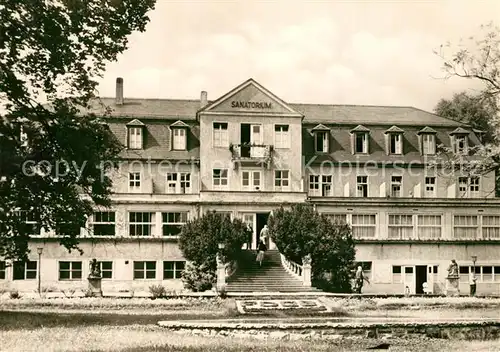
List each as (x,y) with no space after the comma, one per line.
(331,52)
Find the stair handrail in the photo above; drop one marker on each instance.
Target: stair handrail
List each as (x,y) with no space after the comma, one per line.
(292,267)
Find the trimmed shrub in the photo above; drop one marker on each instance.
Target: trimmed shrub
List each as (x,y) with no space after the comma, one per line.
(199,242)
(302,231)
(198,277)
(157,291)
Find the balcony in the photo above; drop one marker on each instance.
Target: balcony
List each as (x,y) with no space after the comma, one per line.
(251,155)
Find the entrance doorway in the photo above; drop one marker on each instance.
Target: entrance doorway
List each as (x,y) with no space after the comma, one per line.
(420,278)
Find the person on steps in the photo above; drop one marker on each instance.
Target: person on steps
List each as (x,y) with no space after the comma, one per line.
(262,248)
(264,235)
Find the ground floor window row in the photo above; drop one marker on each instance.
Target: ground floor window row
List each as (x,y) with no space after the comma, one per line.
(72,270)
(422,226)
(489,273)
(103,223)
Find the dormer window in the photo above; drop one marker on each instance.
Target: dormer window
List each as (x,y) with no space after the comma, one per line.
(321,138)
(359,139)
(135,134)
(459,139)
(394,140)
(179,135)
(427,141)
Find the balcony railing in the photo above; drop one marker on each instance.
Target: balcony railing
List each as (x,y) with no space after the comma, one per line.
(251,154)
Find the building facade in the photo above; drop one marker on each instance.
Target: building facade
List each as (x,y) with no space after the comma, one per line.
(249,152)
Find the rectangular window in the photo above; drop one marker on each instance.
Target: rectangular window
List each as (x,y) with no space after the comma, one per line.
(362,186)
(250,180)
(70,270)
(135,137)
(397,278)
(430,187)
(429,227)
(464,273)
(491,227)
(396,185)
(134,179)
(140,224)
(221,138)
(337,218)
(2,270)
(496,273)
(103,223)
(486,273)
(474,187)
(468,187)
(66,229)
(173,222)
(31,226)
(400,227)
(220,178)
(322,141)
(281,136)
(179,138)
(281,180)
(326,186)
(144,270)
(363,226)
(395,143)
(465,227)
(460,144)
(428,144)
(361,143)
(173,270)
(25,270)
(314,185)
(179,182)
(320,185)
(106,269)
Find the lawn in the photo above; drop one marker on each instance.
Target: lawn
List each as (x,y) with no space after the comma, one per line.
(126,325)
(144,338)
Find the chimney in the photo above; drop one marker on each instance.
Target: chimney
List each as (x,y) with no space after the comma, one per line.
(119,91)
(203,99)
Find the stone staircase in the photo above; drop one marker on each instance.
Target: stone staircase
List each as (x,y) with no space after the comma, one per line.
(271,277)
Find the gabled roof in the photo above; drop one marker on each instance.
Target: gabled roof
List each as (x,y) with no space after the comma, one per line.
(179,124)
(360,128)
(394,129)
(427,129)
(321,127)
(244,93)
(135,122)
(460,130)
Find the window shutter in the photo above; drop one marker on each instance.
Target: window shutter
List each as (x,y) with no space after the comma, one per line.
(353,150)
(420,144)
(452,141)
(387,143)
(144,132)
(127,139)
(367,136)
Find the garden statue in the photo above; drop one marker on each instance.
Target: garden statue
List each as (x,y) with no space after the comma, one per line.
(95,279)
(452,284)
(453,269)
(95,270)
